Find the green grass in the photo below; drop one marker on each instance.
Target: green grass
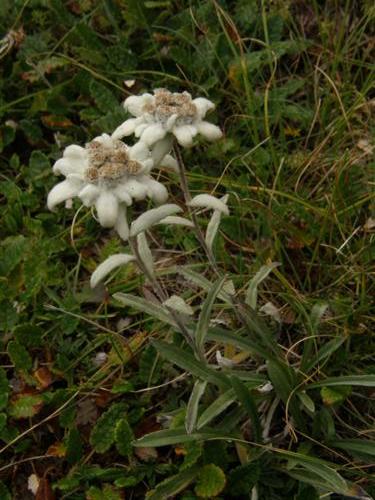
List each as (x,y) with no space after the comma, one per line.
(293,83)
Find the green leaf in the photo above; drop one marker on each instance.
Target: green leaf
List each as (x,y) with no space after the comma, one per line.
(192,407)
(244,397)
(4,389)
(193,452)
(74,446)
(334,396)
(12,250)
(187,362)
(26,406)
(243,478)
(124,437)
(210,482)
(282,378)
(324,353)
(252,290)
(358,380)
(103,434)
(4,492)
(202,282)
(174,436)
(19,356)
(103,97)
(145,306)
(357,447)
(219,405)
(237,340)
(306,401)
(205,315)
(28,335)
(173,485)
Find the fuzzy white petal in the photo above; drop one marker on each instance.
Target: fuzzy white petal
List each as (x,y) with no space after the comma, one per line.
(89,194)
(122,195)
(116,260)
(140,128)
(63,191)
(107,208)
(203,105)
(156,191)
(184,135)
(135,189)
(153,133)
(208,201)
(134,104)
(169,162)
(66,166)
(177,221)
(161,149)
(126,128)
(74,151)
(209,130)
(139,151)
(121,225)
(153,216)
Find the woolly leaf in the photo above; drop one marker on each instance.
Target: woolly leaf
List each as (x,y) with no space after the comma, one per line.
(192,407)
(103,434)
(211,481)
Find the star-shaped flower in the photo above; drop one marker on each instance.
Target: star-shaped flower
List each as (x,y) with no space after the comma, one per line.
(165,113)
(109,175)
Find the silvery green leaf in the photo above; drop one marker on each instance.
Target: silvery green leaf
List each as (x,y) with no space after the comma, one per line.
(153,216)
(119,259)
(143,305)
(213,225)
(179,305)
(316,315)
(208,201)
(205,315)
(206,284)
(252,291)
(145,253)
(177,221)
(193,403)
(270,309)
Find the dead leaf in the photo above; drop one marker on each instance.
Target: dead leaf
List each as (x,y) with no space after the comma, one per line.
(45,491)
(57,449)
(87,412)
(43,376)
(146,454)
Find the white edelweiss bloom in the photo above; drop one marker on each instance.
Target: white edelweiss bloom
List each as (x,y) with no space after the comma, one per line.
(108,175)
(168,113)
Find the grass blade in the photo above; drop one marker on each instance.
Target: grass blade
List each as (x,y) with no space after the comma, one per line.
(192,407)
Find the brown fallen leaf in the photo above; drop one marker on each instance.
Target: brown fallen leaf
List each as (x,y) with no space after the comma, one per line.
(44,491)
(43,376)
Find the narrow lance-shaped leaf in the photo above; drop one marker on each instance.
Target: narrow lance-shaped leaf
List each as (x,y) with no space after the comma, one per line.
(175,220)
(188,362)
(173,485)
(116,260)
(208,201)
(203,282)
(178,304)
(145,253)
(193,404)
(153,216)
(140,304)
(247,401)
(168,437)
(213,225)
(358,380)
(252,290)
(205,315)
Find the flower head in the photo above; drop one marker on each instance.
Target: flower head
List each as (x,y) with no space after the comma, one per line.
(109,175)
(165,113)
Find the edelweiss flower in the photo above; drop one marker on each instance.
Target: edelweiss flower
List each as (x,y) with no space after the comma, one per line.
(109,175)
(165,113)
